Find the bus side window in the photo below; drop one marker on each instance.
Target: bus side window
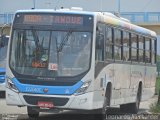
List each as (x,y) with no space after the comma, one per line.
(99,46)
(109,44)
(126,46)
(100,41)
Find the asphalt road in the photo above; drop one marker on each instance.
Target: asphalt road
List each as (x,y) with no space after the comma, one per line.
(16,113)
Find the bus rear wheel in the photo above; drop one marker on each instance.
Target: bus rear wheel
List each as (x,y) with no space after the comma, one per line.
(32,113)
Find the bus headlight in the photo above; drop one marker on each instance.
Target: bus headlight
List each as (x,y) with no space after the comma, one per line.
(83,88)
(11,85)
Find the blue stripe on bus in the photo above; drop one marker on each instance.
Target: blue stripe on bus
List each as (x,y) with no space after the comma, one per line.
(2,70)
(52,90)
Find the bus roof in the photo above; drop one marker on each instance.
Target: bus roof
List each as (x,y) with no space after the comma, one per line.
(113,20)
(105,17)
(64,10)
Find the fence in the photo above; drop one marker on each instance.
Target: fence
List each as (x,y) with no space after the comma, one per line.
(143,17)
(135,17)
(6,18)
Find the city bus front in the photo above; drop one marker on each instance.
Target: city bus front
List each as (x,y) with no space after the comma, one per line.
(49,60)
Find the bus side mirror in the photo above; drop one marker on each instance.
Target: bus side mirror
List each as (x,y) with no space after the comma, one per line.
(100,41)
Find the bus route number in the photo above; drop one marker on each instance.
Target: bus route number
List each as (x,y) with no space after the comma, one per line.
(53,66)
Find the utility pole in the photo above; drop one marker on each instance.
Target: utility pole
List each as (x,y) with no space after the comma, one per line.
(119,7)
(34,4)
(101,5)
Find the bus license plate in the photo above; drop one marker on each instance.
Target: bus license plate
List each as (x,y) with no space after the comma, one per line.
(45,104)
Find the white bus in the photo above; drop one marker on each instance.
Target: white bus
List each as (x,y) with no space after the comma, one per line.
(73,59)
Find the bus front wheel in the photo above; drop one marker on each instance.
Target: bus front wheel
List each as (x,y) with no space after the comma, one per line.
(32,113)
(106,102)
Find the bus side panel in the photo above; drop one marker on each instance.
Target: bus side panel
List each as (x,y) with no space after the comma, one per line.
(121,92)
(153,72)
(125,79)
(105,76)
(150,77)
(121,76)
(137,75)
(149,82)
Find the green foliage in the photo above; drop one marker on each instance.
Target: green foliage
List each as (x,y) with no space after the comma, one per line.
(158,63)
(155,108)
(157,85)
(158,58)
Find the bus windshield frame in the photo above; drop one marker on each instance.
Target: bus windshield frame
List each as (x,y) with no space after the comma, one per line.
(64,38)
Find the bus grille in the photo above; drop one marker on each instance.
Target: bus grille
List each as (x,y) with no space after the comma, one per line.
(2,73)
(33,100)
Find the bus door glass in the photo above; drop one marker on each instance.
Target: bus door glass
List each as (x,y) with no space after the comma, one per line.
(100,42)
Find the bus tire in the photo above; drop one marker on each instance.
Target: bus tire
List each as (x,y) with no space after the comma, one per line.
(135,106)
(2,94)
(132,107)
(32,113)
(106,102)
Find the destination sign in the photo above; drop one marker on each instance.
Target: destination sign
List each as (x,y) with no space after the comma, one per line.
(53,19)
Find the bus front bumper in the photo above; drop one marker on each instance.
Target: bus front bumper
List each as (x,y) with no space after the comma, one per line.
(81,102)
(2,86)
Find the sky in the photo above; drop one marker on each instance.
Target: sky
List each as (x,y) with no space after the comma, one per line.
(97,5)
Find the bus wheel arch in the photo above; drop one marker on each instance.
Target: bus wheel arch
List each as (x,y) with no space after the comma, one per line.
(139,96)
(133,107)
(108,92)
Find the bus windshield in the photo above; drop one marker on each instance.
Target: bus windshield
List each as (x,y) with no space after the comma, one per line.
(50,53)
(3,50)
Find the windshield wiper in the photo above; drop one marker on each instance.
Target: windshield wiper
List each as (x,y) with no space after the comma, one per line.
(36,38)
(64,41)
